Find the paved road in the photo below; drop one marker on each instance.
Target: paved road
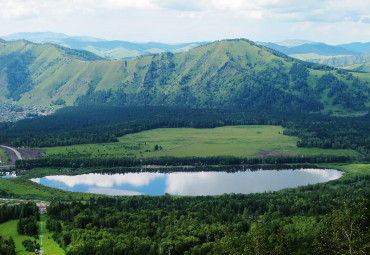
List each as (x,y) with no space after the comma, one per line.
(19,156)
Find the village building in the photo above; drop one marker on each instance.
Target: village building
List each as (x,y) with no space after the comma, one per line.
(42,206)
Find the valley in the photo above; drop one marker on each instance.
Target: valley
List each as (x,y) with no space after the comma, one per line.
(229,148)
(197,127)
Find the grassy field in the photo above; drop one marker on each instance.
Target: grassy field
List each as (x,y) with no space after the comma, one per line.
(3,157)
(50,246)
(240,141)
(9,229)
(23,188)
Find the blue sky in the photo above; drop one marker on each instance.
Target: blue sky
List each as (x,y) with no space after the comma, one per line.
(330,21)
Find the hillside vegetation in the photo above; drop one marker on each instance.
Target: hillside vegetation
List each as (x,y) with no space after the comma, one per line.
(335,61)
(365,67)
(224,74)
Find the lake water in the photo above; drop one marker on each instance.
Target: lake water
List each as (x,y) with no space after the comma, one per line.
(189,183)
(8,174)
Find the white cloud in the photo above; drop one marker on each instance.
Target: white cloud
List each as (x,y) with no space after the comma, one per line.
(113,192)
(18,10)
(25,9)
(289,10)
(106,181)
(118,4)
(191,20)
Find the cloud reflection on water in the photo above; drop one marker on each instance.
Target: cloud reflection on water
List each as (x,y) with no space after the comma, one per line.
(192,183)
(106,180)
(113,192)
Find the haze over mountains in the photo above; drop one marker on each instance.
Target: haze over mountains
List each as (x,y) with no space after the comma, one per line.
(352,56)
(223,74)
(104,48)
(337,56)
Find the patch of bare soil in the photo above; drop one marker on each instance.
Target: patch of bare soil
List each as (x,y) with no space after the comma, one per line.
(31,153)
(266,153)
(26,154)
(182,147)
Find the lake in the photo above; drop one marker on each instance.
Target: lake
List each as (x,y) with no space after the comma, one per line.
(189,183)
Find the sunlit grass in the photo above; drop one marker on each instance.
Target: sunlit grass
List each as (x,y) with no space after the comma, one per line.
(9,229)
(240,141)
(3,157)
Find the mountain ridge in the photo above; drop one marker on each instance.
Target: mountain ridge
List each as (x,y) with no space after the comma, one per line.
(223,74)
(340,55)
(110,49)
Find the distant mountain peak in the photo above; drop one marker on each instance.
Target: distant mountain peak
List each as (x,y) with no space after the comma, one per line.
(295,42)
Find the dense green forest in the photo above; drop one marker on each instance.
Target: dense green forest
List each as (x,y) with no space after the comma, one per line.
(27,215)
(79,162)
(313,219)
(7,246)
(230,224)
(78,125)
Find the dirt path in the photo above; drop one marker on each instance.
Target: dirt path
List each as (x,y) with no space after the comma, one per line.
(182,147)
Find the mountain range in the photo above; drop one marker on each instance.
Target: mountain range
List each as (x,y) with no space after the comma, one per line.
(342,55)
(103,48)
(351,56)
(223,74)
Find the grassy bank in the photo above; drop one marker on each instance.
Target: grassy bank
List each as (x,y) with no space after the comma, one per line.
(23,188)
(3,157)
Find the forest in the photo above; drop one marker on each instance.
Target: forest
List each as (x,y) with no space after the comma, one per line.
(82,125)
(228,224)
(312,219)
(27,215)
(177,161)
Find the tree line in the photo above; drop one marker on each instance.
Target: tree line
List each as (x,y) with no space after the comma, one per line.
(177,161)
(295,223)
(81,125)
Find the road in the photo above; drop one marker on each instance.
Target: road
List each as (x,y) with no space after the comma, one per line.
(19,156)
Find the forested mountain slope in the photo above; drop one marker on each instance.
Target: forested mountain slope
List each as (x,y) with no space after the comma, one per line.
(223,74)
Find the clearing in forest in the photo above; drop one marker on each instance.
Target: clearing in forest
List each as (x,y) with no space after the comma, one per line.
(240,141)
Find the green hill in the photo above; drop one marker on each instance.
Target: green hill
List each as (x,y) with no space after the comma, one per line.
(223,74)
(104,48)
(365,67)
(335,61)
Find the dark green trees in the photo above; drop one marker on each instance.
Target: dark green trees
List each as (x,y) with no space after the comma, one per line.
(345,231)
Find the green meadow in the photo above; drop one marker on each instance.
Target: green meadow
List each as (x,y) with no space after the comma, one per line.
(239,141)
(3,157)
(9,229)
